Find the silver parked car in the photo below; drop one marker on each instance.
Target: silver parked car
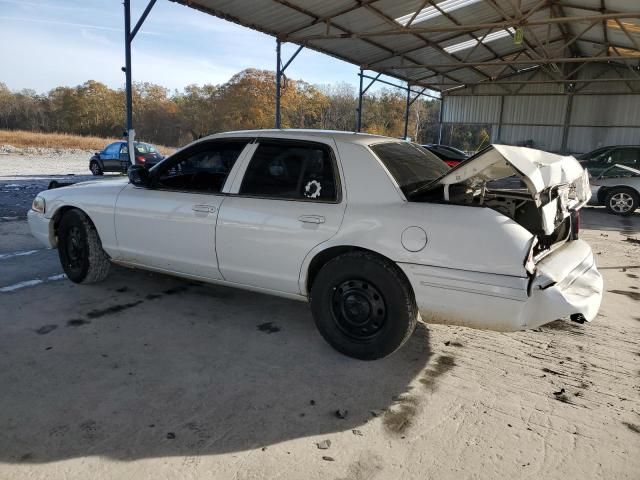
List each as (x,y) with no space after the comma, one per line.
(618,189)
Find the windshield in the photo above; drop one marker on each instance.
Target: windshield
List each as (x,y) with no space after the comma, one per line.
(411,166)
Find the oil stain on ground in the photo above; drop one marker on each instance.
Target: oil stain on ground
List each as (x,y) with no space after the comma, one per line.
(113,309)
(268,327)
(442,365)
(77,322)
(401,416)
(174,290)
(43,330)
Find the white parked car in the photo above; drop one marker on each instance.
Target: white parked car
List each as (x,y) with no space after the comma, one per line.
(371,231)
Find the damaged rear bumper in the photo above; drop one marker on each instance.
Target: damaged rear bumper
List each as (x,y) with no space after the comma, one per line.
(566,282)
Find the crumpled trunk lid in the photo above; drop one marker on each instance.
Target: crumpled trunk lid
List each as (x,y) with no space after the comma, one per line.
(556,184)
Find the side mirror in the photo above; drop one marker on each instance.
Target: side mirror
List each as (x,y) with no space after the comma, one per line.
(139,176)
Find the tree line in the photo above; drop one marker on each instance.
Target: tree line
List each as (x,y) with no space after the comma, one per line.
(246,101)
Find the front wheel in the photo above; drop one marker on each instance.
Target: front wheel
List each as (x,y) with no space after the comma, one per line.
(80,249)
(363,305)
(621,201)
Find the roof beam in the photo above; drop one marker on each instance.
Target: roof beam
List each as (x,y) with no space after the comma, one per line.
(427,42)
(537,61)
(309,13)
(535,82)
(463,28)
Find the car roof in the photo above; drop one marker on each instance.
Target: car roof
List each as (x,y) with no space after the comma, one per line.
(292,133)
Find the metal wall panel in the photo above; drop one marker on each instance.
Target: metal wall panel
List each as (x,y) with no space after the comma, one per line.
(610,110)
(544,138)
(471,109)
(584,139)
(537,110)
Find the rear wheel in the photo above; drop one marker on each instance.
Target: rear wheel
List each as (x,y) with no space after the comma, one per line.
(95,168)
(621,201)
(363,305)
(80,249)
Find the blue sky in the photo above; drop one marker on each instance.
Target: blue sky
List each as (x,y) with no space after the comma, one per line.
(46,43)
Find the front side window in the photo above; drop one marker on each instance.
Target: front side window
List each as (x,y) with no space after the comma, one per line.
(203,168)
(411,166)
(291,170)
(113,149)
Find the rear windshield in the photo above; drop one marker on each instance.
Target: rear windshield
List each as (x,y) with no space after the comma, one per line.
(412,167)
(145,148)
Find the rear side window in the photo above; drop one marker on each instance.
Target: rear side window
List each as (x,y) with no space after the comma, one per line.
(410,165)
(291,170)
(629,156)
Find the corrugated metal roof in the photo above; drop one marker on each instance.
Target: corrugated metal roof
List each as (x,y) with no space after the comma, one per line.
(431,52)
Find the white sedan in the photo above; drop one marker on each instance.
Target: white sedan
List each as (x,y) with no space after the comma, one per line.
(372,231)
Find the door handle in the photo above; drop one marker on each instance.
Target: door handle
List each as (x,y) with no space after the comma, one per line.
(204,208)
(311,219)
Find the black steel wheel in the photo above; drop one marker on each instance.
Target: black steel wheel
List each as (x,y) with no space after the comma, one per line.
(80,250)
(363,305)
(358,309)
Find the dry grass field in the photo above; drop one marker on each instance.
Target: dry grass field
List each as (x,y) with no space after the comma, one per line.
(23,139)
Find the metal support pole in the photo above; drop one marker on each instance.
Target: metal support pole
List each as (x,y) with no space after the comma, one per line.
(499,135)
(359,110)
(567,122)
(143,17)
(128,93)
(440,120)
(406,112)
(278,78)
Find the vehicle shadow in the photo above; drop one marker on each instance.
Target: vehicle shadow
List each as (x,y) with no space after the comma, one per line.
(145,365)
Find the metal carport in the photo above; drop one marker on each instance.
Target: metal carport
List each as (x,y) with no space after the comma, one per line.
(491,61)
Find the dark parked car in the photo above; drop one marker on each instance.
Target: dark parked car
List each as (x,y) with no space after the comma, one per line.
(451,156)
(115,157)
(598,160)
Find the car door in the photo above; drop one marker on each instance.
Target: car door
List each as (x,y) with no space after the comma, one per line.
(171,226)
(111,157)
(285,200)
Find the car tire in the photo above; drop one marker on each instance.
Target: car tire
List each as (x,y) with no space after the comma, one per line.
(80,249)
(621,201)
(95,168)
(363,305)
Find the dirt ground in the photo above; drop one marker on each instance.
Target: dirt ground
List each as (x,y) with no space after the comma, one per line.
(147,376)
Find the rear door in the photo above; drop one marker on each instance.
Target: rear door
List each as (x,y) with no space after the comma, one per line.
(286,200)
(172,226)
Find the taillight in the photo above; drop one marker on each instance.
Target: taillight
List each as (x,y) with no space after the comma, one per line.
(575,224)
(451,163)
(140,158)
